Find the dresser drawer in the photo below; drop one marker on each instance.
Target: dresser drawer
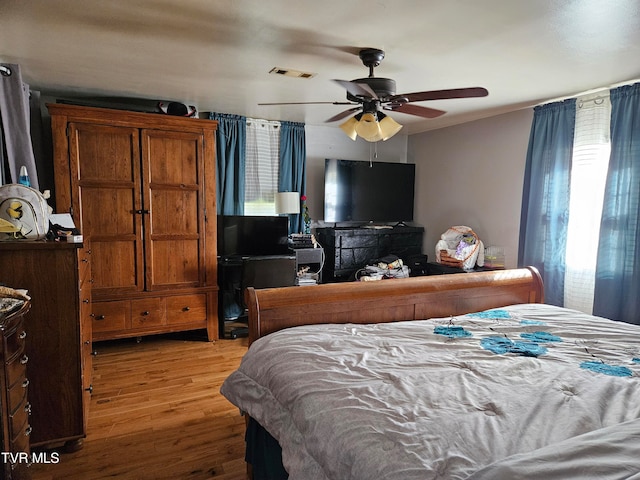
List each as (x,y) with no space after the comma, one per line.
(110,316)
(17,370)
(186,308)
(147,312)
(18,395)
(21,442)
(14,342)
(18,421)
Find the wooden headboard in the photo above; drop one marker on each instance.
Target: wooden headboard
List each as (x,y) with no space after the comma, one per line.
(272,309)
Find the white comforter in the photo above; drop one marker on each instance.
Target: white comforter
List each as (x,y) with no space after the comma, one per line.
(506,393)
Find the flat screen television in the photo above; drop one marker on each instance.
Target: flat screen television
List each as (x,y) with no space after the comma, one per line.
(374,192)
(240,235)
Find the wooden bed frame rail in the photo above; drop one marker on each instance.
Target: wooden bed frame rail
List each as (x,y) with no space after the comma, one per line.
(414,298)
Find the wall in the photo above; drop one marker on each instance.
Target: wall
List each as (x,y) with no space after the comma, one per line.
(331,142)
(472,174)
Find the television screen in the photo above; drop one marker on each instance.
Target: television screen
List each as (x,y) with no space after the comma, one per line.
(240,235)
(359,191)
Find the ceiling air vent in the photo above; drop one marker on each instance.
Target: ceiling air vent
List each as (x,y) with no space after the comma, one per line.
(287,72)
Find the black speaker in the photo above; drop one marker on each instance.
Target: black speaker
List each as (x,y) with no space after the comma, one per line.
(417,264)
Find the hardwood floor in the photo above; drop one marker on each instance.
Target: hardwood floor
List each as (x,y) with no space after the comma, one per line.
(156,413)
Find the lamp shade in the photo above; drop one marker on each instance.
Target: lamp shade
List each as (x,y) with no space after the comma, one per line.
(388,126)
(349,127)
(369,128)
(287,202)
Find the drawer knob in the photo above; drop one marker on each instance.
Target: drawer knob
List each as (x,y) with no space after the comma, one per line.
(23,335)
(97,317)
(85,260)
(186,309)
(146,313)
(89,389)
(27,408)
(86,300)
(24,359)
(25,383)
(28,431)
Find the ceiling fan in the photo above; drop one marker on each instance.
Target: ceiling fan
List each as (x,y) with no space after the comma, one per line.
(373,94)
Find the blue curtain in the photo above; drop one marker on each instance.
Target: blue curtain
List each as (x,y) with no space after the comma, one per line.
(293,165)
(231,142)
(545,199)
(617,287)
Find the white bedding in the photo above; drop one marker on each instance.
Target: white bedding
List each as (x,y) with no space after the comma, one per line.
(506,393)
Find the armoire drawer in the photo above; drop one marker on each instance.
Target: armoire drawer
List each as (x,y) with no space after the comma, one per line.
(186,308)
(147,312)
(110,316)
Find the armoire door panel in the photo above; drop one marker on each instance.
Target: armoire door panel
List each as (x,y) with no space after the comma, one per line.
(112,266)
(174,157)
(105,160)
(173,173)
(176,263)
(175,212)
(110,210)
(107,152)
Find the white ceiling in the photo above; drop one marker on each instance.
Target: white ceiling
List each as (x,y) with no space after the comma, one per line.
(217,54)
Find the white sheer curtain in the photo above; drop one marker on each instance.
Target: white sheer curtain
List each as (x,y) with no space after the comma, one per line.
(591,149)
(261,168)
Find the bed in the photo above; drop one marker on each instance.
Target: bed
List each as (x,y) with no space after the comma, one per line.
(467,376)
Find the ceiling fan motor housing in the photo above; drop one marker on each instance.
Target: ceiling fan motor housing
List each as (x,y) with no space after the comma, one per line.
(384,87)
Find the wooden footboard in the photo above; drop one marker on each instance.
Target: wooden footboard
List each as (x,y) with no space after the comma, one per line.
(415,298)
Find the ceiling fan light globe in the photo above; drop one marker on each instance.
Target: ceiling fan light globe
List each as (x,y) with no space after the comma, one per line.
(349,127)
(389,127)
(369,128)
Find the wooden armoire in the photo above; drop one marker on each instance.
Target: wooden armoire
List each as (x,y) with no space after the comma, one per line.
(141,187)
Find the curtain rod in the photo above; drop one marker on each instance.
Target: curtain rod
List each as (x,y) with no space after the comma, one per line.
(589,92)
(5,71)
(597,100)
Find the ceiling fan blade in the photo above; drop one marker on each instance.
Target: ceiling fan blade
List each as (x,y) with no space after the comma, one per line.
(415,110)
(342,115)
(443,94)
(309,103)
(357,89)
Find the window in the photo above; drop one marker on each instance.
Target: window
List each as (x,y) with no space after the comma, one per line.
(261,168)
(590,161)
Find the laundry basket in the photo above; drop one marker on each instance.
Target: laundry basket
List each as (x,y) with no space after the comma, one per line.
(460,247)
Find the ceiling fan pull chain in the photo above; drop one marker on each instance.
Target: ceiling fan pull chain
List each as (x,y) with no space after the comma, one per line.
(373,146)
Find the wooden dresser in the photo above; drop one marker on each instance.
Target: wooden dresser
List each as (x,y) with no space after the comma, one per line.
(349,249)
(59,326)
(15,408)
(141,187)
